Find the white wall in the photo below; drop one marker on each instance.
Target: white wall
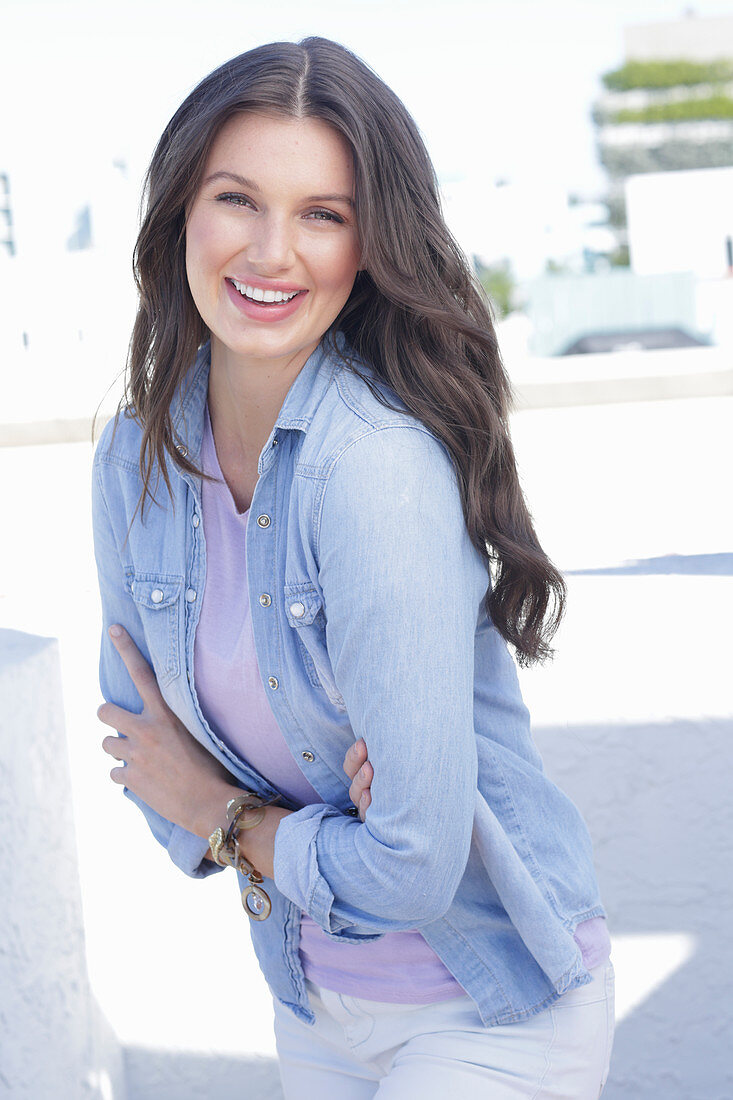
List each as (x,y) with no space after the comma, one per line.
(679,221)
(55,1041)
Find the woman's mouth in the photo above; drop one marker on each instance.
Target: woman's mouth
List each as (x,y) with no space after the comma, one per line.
(271,297)
(260,304)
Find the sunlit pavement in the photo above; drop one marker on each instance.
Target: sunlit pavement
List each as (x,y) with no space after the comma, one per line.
(644,648)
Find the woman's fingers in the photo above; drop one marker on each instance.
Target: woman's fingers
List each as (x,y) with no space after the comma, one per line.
(115,746)
(361,773)
(116,717)
(361,783)
(355,757)
(140,671)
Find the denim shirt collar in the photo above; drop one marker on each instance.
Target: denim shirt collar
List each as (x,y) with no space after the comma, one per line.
(296,412)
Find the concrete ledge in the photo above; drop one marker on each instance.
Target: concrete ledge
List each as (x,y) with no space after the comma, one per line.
(34,432)
(606,391)
(538,384)
(622,377)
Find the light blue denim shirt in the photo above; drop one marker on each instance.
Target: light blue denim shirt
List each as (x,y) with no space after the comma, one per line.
(366,595)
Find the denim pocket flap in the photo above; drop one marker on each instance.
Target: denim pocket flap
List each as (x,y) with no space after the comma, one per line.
(302,603)
(154,591)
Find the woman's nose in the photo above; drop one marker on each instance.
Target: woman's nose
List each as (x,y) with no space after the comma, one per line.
(271,244)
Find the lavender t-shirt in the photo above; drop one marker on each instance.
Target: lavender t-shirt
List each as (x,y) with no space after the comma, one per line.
(399,967)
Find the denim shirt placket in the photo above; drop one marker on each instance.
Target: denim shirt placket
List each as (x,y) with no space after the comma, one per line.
(196,577)
(262,580)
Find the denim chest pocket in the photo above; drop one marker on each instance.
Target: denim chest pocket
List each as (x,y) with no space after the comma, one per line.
(305,614)
(157,596)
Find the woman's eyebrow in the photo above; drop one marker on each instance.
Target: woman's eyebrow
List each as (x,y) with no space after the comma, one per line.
(250,185)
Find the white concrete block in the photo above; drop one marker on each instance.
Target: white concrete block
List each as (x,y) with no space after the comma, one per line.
(55,1041)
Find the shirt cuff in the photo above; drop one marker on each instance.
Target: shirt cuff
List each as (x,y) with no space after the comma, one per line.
(187,852)
(295,863)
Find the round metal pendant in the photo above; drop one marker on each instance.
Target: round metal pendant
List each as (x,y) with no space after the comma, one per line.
(257,904)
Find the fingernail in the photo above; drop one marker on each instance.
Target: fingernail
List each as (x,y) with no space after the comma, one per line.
(362,773)
(115,630)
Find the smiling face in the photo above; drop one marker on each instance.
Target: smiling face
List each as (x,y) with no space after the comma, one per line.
(272,248)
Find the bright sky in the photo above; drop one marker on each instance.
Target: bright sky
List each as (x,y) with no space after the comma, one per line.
(499,89)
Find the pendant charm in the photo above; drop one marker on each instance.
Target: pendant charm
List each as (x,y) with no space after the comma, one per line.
(257,904)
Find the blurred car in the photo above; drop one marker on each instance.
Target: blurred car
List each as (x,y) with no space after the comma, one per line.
(633,340)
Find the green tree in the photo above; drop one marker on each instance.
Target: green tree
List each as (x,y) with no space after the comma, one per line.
(500,286)
(668,74)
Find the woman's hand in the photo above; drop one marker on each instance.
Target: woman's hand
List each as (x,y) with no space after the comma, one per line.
(360,771)
(165,766)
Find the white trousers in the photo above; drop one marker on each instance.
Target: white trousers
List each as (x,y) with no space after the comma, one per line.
(359,1049)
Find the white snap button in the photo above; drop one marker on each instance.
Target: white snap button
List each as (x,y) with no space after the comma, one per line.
(263,521)
(156,595)
(190,594)
(265,599)
(273,682)
(195,519)
(308,756)
(297,610)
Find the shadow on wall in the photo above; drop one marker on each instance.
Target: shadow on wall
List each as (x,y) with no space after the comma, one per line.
(720,565)
(657,801)
(174,1074)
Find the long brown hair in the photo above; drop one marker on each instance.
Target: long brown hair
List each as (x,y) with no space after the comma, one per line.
(415,314)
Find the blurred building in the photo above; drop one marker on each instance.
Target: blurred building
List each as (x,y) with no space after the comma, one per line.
(681,221)
(7,235)
(669,106)
(611,311)
(66,239)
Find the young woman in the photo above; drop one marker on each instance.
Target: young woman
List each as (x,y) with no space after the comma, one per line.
(313,550)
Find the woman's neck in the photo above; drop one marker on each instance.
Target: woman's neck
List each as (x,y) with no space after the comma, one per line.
(244,401)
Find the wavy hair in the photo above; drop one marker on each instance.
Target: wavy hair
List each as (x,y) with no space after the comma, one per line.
(416,313)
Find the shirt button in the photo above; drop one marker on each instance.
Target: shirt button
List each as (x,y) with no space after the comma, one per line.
(297,610)
(190,594)
(181,449)
(195,519)
(263,521)
(156,595)
(308,756)
(352,811)
(274,682)
(275,441)
(265,599)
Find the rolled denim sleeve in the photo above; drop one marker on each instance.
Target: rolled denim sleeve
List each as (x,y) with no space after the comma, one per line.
(401,585)
(185,849)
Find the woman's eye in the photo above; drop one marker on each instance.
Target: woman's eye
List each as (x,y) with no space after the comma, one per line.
(325,216)
(234,200)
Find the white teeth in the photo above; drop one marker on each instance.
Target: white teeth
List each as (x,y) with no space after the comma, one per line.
(256,294)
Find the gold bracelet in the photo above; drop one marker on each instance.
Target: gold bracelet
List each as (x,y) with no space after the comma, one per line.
(226,852)
(236,808)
